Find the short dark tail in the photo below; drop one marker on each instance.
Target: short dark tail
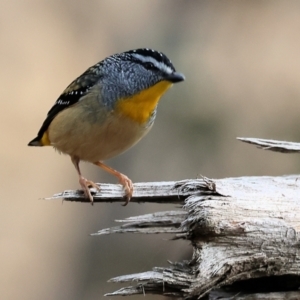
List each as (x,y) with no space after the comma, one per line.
(35,142)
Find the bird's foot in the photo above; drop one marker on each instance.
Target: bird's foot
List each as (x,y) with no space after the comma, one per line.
(86,184)
(128,186)
(123,179)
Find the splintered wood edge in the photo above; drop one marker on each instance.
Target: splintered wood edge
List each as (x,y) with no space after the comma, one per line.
(161,222)
(161,281)
(150,192)
(272,145)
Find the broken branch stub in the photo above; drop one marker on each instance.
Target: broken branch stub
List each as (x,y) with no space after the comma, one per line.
(240,228)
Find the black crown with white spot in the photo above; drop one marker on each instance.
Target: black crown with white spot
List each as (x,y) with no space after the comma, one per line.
(158,56)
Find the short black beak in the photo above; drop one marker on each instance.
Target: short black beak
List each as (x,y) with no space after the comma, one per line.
(175,77)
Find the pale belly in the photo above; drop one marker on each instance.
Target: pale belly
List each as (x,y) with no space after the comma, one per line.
(93,135)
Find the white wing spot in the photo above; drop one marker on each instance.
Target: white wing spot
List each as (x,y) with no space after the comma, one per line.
(60,102)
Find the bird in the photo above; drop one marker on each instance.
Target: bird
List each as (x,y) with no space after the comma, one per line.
(107,110)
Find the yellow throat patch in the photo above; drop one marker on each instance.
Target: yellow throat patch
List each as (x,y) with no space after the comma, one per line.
(140,106)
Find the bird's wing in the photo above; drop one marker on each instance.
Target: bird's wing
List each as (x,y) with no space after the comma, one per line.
(71,95)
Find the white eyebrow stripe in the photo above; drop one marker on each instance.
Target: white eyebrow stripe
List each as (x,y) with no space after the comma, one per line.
(159,65)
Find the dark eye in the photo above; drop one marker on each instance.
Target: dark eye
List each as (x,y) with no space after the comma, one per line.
(149,66)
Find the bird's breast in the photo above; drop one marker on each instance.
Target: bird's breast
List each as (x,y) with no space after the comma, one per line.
(92,133)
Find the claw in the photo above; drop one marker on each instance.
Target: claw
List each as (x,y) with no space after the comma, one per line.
(86,184)
(128,187)
(123,179)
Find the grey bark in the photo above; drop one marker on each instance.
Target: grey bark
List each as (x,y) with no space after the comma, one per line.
(273,145)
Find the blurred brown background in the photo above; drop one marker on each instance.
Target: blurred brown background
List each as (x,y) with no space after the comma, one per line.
(242,65)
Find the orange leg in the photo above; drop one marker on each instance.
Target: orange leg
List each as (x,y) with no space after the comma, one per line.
(85,184)
(123,179)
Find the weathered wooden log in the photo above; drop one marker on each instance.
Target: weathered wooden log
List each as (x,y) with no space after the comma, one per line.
(244,233)
(240,228)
